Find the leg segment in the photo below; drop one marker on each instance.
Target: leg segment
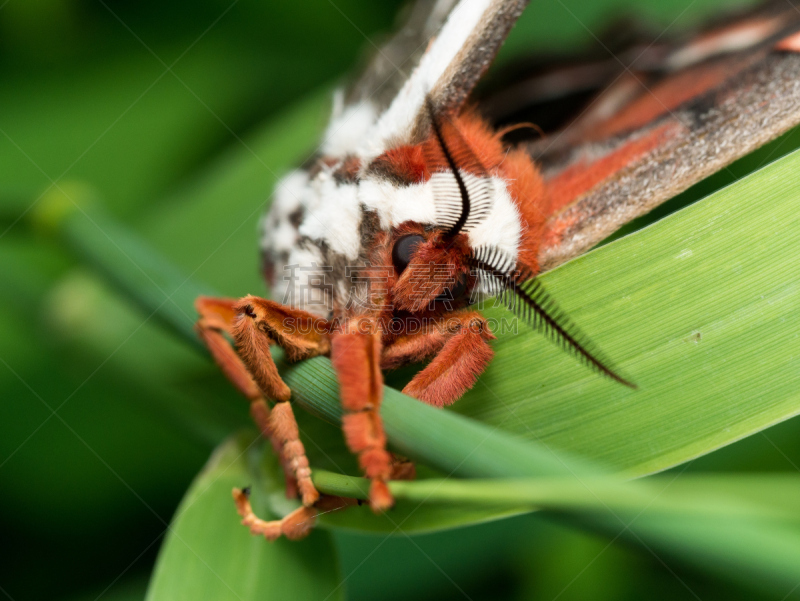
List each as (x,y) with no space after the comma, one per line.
(258,323)
(413,348)
(284,428)
(356,359)
(301,335)
(217,315)
(464,352)
(294,526)
(248,321)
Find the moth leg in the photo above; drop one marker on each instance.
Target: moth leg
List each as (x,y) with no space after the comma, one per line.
(259,322)
(217,316)
(413,348)
(460,360)
(294,526)
(355,355)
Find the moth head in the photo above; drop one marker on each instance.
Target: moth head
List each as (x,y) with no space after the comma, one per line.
(431,270)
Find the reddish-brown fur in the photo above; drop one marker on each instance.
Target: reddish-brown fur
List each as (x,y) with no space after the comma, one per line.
(281,324)
(262,417)
(355,355)
(294,526)
(218,316)
(348,169)
(413,348)
(456,367)
(253,346)
(482,140)
(284,428)
(406,163)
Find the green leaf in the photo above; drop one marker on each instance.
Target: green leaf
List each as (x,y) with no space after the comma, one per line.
(207,554)
(155,285)
(701,309)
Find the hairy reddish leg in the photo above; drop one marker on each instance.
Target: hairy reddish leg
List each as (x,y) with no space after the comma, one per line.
(356,359)
(294,526)
(284,428)
(254,373)
(301,335)
(413,348)
(462,342)
(217,315)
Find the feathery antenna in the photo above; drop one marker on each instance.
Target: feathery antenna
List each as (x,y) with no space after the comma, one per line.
(525,296)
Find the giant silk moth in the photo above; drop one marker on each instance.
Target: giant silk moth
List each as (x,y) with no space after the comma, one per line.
(417,204)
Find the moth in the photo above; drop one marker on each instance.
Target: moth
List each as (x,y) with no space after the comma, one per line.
(418,204)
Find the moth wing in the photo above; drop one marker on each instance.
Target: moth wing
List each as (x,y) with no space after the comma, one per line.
(679,116)
(388,68)
(440,54)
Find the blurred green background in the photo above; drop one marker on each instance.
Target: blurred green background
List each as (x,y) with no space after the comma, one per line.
(104,417)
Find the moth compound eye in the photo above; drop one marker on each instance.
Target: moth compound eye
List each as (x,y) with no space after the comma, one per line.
(403,249)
